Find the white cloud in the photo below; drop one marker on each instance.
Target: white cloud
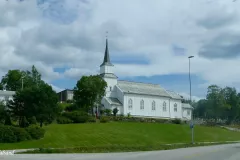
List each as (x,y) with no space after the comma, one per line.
(73,36)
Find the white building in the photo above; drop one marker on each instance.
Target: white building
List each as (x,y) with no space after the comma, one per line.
(6,95)
(140,99)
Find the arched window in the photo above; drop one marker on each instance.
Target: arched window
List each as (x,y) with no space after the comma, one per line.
(130,103)
(142,104)
(153,105)
(164,106)
(175,107)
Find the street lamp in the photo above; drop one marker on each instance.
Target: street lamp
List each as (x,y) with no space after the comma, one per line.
(192,125)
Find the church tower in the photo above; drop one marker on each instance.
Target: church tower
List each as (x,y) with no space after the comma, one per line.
(107,73)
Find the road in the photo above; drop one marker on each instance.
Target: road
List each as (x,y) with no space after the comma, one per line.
(218,152)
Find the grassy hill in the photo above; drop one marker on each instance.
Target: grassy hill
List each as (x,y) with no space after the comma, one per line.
(127,134)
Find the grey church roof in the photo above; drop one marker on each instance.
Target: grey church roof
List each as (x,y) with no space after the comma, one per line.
(106,60)
(142,88)
(114,101)
(7,93)
(174,95)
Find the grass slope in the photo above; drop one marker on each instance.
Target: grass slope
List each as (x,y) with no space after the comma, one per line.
(126,134)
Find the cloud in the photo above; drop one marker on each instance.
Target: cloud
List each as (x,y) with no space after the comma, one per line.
(225,45)
(71,34)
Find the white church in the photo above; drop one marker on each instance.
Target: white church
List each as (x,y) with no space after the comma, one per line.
(140,99)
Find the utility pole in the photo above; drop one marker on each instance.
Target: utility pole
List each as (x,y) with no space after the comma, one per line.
(22,82)
(192,125)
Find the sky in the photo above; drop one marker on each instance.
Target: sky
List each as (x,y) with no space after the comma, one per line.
(149,41)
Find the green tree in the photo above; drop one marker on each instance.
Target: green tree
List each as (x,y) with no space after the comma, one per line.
(89,91)
(3,112)
(12,80)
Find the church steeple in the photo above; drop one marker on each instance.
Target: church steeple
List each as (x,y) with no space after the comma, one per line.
(106,60)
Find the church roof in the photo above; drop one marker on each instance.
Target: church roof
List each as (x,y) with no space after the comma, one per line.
(174,95)
(142,88)
(106,60)
(114,101)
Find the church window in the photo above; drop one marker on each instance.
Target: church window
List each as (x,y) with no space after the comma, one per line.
(130,103)
(153,105)
(164,106)
(110,88)
(175,107)
(142,104)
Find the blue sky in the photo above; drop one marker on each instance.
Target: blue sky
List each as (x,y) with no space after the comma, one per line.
(149,41)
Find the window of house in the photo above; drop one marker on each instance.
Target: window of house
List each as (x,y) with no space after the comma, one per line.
(142,104)
(175,107)
(153,105)
(130,104)
(188,112)
(110,88)
(164,106)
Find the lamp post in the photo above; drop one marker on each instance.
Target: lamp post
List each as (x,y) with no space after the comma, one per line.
(192,125)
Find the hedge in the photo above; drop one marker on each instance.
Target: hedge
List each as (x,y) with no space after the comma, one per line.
(10,134)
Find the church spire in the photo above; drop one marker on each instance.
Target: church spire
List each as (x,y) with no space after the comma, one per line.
(106,60)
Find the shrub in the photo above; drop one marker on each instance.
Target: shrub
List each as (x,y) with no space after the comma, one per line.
(63,120)
(108,112)
(115,111)
(104,119)
(77,116)
(7,134)
(21,134)
(129,115)
(35,131)
(92,119)
(176,121)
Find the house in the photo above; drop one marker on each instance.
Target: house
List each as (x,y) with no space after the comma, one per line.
(6,95)
(65,95)
(140,99)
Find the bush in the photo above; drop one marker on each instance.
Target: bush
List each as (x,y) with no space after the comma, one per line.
(108,112)
(176,121)
(63,120)
(115,111)
(35,131)
(7,134)
(21,134)
(77,116)
(104,119)
(92,119)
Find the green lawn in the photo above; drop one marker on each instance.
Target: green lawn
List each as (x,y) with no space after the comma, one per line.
(124,133)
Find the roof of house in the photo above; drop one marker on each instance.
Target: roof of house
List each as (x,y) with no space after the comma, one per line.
(142,88)
(186,105)
(114,101)
(174,95)
(7,93)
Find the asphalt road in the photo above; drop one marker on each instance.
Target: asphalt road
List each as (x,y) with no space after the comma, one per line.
(218,152)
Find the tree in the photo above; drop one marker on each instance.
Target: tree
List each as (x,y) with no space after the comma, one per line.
(3,112)
(12,80)
(36,101)
(89,91)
